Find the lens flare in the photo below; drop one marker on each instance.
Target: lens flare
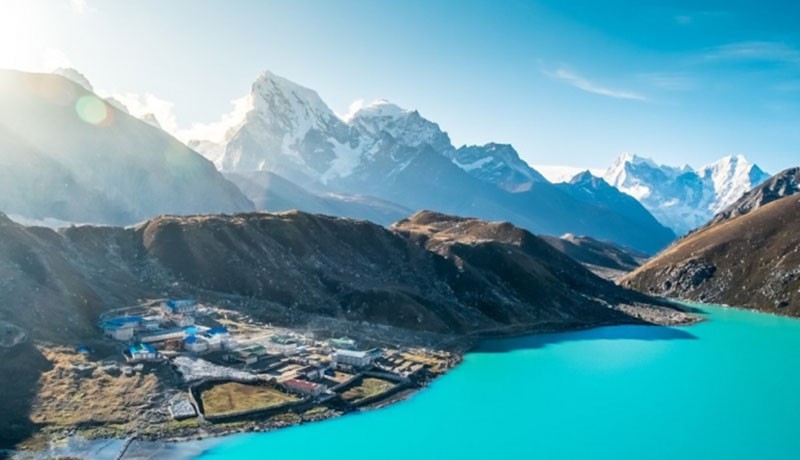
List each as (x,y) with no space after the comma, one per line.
(93,110)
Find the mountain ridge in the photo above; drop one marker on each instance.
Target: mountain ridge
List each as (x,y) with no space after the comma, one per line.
(70,155)
(750,261)
(683,198)
(396,155)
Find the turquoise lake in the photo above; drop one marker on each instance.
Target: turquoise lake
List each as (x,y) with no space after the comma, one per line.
(727,388)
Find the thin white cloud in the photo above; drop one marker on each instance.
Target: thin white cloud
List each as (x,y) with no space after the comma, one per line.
(147,105)
(357,105)
(756,51)
(669,81)
(591,87)
(218,131)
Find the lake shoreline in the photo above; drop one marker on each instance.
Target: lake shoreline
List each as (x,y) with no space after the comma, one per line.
(155,442)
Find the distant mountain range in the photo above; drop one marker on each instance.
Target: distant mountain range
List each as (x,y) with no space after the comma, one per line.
(397,156)
(71,156)
(684,198)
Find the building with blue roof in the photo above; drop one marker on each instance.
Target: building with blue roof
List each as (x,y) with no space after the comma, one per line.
(121,328)
(218,337)
(195,344)
(163,335)
(141,352)
(218,331)
(180,307)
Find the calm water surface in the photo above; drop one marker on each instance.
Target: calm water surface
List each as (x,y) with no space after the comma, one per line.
(727,388)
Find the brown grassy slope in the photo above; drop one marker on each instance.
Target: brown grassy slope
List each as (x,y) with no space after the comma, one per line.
(604,259)
(512,275)
(751,261)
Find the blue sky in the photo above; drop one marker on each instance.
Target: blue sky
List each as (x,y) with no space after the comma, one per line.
(566,82)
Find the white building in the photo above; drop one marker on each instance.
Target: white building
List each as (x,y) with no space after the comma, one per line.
(163,336)
(183,320)
(150,323)
(216,338)
(195,344)
(352,358)
(142,352)
(179,307)
(121,328)
(287,349)
(123,334)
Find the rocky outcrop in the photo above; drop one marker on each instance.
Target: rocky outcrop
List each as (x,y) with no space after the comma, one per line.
(750,261)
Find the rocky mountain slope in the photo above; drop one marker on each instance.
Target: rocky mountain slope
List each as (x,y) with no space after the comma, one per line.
(67,154)
(383,151)
(783,184)
(478,275)
(683,198)
(602,258)
(590,189)
(749,261)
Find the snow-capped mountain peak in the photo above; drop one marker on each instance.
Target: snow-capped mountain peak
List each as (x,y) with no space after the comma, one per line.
(624,174)
(498,164)
(684,198)
(407,127)
(732,176)
(287,129)
(380,108)
(273,95)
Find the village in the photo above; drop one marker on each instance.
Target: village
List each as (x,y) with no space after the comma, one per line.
(234,370)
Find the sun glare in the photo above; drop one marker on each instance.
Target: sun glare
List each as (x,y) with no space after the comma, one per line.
(22,34)
(93,110)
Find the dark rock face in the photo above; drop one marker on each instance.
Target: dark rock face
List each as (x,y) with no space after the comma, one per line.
(686,277)
(750,261)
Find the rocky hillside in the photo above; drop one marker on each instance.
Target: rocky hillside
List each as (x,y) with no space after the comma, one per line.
(430,272)
(602,258)
(750,261)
